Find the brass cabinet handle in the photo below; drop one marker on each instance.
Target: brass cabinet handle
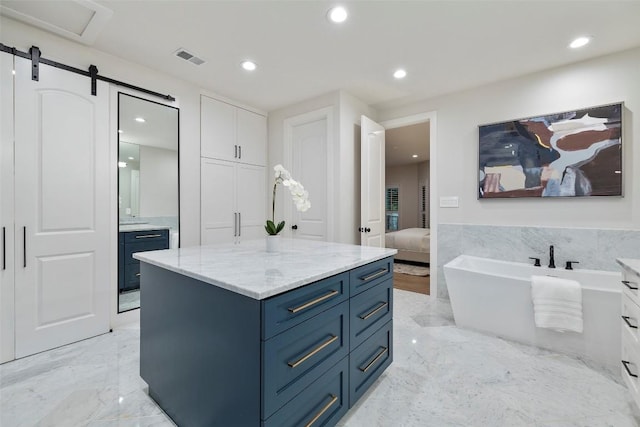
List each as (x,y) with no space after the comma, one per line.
(370,364)
(374,311)
(374,275)
(626,320)
(314,351)
(314,302)
(146,236)
(326,407)
(628,283)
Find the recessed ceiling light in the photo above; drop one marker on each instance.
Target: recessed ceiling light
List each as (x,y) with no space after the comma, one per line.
(579,42)
(400,74)
(414,156)
(122,164)
(249,65)
(140,120)
(130,158)
(338,14)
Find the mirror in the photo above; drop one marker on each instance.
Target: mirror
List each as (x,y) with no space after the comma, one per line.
(148,193)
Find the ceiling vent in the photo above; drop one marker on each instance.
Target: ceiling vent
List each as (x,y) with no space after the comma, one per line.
(188,56)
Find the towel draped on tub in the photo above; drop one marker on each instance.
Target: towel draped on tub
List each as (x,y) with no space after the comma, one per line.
(557,303)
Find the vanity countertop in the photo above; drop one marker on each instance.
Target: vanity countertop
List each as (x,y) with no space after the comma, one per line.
(141,227)
(632,265)
(249,270)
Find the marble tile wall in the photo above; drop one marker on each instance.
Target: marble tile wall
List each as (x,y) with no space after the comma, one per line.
(595,249)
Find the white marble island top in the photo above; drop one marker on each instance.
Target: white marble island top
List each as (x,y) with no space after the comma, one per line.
(633,265)
(247,268)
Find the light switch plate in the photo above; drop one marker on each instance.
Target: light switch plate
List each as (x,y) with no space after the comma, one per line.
(449,202)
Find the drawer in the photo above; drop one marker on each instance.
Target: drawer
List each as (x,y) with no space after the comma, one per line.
(369,311)
(284,311)
(367,362)
(631,318)
(139,236)
(630,365)
(295,358)
(323,403)
(143,246)
(630,285)
(132,275)
(369,275)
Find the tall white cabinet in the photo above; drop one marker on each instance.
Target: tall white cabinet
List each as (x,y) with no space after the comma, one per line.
(233,177)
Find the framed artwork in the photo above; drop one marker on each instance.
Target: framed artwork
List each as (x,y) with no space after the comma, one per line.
(572,154)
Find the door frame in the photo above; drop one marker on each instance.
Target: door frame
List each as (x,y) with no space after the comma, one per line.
(325,113)
(431,118)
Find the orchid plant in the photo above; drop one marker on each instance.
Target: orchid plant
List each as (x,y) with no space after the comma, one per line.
(299,195)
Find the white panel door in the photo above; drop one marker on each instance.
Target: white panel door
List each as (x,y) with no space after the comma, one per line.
(62,209)
(372,183)
(217,203)
(7,328)
(252,137)
(217,129)
(309,141)
(251,201)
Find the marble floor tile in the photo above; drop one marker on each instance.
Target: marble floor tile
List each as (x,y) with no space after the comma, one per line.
(441,376)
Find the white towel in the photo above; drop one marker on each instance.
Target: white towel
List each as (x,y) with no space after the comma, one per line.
(557,303)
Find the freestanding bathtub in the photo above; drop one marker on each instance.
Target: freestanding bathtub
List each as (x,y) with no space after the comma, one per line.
(495,297)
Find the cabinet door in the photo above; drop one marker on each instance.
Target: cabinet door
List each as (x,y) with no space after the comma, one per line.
(217,129)
(217,203)
(252,137)
(252,203)
(62,209)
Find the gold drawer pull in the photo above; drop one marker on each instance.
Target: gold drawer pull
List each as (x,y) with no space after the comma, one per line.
(372,276)
(146,236)
(370,364)
(374,311)
(314,302)
(314,351)
(326,407)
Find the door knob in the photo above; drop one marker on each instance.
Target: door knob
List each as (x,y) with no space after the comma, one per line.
(360,229)
(294,227)
(367,230)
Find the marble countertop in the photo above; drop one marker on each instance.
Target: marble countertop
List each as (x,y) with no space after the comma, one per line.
(630,264)
(141,227)
(247,268)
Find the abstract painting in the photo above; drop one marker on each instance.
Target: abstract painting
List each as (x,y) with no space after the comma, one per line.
(571,154)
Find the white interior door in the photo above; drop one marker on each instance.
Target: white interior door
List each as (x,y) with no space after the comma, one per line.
(7,328)
(62,209)
(309,142)
(372,183)
(251,201)
(218,214)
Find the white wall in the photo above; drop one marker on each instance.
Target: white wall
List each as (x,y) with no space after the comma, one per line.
(405,177)
(158,182)
(604,80)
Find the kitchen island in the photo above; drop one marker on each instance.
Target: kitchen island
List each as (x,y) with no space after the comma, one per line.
(234,336)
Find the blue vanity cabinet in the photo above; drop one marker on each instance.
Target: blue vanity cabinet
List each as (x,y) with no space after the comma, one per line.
(369,311)
(131,242)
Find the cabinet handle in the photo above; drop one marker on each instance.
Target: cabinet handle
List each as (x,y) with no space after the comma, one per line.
(372,276)
(24,247)
(626,368)
(324,409)
(239,151)
(146,236)
(375,359)
(374,311)
(235,155)
(626,320)
(313,352)
(239,224)
(4,248)
(235,224)
(627,283)
(314,302)
(137,274)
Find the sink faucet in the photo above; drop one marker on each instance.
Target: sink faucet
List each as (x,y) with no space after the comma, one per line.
(552,263)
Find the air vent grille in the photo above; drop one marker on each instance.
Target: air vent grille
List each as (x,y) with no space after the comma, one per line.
(188,56)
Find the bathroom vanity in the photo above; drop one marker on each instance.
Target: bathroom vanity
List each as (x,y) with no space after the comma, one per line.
(137,238)
(630,321)
(233,335)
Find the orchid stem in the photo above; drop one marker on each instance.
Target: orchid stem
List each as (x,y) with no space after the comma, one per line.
(273,205)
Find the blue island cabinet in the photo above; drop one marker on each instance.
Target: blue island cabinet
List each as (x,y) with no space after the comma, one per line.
(214,357)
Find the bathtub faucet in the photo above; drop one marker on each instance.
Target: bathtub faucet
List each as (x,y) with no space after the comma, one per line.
(552,263)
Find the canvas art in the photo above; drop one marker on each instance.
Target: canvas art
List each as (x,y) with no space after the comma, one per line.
(571,154)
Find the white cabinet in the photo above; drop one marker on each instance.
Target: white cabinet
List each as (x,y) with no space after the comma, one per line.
(233,201)
(630,326)
(231,133)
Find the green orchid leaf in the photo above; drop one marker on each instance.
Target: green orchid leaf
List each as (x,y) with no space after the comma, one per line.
(280,227)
